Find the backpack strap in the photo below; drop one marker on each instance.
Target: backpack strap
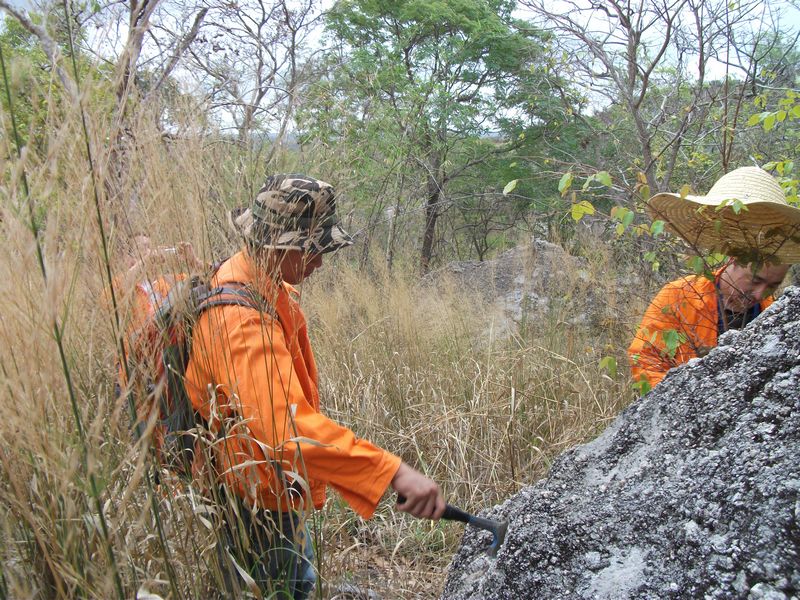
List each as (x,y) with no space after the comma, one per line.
(181,417)
(233,294)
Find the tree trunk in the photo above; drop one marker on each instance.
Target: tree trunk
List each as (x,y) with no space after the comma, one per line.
(432,207)
(393,227)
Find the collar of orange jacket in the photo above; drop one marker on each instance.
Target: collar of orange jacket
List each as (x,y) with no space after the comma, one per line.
(241,268)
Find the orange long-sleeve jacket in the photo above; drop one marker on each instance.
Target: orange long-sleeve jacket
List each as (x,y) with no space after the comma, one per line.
(136,305)
(258,368)
(686,312)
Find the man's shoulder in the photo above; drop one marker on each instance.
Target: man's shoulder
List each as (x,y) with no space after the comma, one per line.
(237,296)
(232,269)
(695,290)
(692,284)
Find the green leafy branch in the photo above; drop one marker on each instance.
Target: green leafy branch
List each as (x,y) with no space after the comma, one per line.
(583,207)
(788,110)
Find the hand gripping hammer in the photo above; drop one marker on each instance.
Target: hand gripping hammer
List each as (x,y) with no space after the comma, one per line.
(496,528)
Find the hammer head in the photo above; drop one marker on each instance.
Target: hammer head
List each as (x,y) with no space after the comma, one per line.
(496,528)
(499,533)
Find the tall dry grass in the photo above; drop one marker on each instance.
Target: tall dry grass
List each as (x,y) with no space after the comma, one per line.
(419,369)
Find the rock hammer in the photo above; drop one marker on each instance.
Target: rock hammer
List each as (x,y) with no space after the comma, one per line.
(496,528)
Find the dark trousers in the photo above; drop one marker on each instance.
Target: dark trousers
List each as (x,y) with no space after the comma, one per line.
(271,549)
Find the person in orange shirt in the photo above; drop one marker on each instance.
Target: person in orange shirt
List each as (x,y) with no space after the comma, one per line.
(253,378)
(745,214)
(685,318)
(150,272)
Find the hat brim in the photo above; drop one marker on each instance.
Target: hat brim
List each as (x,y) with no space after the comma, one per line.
(334,238)
(767,230)
(321,240)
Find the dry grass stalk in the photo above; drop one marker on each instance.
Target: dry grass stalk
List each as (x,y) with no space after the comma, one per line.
(407,366)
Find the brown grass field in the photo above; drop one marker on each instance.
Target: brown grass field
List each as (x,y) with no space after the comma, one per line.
(413,368)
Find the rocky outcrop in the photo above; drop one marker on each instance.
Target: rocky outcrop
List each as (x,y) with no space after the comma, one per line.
(693,492)
(540,278)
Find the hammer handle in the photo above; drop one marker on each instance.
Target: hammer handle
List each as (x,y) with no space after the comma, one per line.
(451,513)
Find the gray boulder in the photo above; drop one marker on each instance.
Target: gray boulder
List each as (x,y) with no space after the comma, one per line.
(693,492)
(540,278)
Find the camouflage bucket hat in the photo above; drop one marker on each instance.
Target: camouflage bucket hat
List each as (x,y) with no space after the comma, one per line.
(292,212)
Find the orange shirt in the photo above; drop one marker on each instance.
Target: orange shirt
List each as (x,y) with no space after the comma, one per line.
(250,367)
(137,305)
(685,311)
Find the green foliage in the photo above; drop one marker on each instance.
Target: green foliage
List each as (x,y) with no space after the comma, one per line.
(565,183)
(609,363)
(436,99)
(30,77)
(433,57)
(788,110)
(36,93)
(705,265)
(657,227)
(624,217)
(673,340)
(642,387)
(601,177)
(772,111)
(581,209)
(652,258)
(735,204)
(510,186)
(697,265)
(787,178)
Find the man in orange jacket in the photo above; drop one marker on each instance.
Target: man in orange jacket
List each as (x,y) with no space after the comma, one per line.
(685,318)
(150,273)
(745,214)
(253,378)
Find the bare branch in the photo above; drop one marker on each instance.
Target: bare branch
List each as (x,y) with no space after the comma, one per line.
(182,47)
(49,46)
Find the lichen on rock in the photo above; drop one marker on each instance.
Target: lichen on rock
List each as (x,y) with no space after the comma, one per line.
(693,492)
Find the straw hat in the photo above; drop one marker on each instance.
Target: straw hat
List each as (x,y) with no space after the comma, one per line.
(292,212)
(766,226)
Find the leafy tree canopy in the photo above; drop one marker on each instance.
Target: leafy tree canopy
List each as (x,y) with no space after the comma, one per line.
(456,63)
